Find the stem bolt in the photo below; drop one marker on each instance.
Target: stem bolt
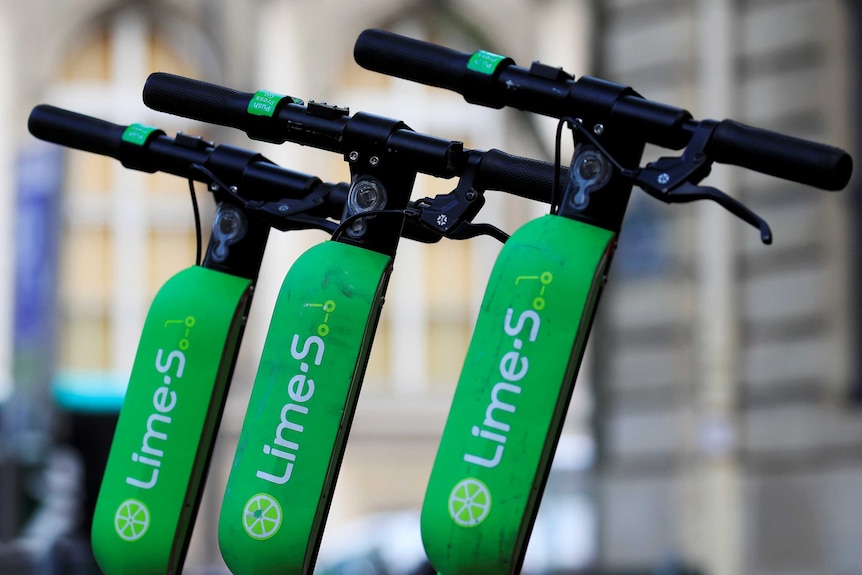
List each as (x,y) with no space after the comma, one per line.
(357,229)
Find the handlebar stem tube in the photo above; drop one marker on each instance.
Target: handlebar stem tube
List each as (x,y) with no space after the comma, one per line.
(367,148)
(240,256)
(607,205)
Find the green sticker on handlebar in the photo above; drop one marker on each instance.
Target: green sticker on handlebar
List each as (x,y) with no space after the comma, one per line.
(484,62)
(511,398)
(137,134)
(264,102)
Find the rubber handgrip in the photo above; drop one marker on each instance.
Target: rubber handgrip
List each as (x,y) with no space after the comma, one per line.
(819,165)
(75,130)
(411,59)
(197,100)
(525,177)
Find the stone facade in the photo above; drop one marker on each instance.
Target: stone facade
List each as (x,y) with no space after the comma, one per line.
(730,443)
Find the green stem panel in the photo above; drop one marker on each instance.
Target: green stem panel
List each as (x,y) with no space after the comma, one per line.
(300,411)
(512,396)
(167,424)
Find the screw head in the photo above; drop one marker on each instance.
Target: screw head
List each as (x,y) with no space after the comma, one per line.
(599,129)
(663,178)
(283,208)
(470,195)
(374,160)
(357,229)
(353,156)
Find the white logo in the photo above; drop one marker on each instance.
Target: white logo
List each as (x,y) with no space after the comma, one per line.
(261,516)
(131,520)
(469,502)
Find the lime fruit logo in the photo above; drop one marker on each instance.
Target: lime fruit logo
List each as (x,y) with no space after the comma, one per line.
(131,520)
(261,516)
(469,502)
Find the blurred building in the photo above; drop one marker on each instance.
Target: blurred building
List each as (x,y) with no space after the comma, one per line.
(730,434)
(714,425)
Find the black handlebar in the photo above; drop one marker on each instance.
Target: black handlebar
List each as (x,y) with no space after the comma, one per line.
(150,150)
(422,62)
(77,131)
(524,177)
(497,170)
(495,81)
(430,64)
(780,155)
(214,104)
(198,100)
(317,125)
(332,128)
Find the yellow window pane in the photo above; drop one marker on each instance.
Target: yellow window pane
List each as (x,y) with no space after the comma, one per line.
(163,59)
(170,251)
(447,348)
(84,342)
(448,276)
(161,184)
(88,173)
(357,77)
(90,61)
(86,265)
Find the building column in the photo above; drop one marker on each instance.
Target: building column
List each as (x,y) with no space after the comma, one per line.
(128,217)
(712,517)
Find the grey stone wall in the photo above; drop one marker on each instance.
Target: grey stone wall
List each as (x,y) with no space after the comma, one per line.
(793,438)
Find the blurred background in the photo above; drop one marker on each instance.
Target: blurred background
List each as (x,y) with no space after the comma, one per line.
(715,427)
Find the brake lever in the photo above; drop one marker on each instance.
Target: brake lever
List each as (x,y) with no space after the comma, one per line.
(675,180)
(467,230)
(451,215)
(292,213)
(414,229)
(688,192)
(303,222)
(285,214)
